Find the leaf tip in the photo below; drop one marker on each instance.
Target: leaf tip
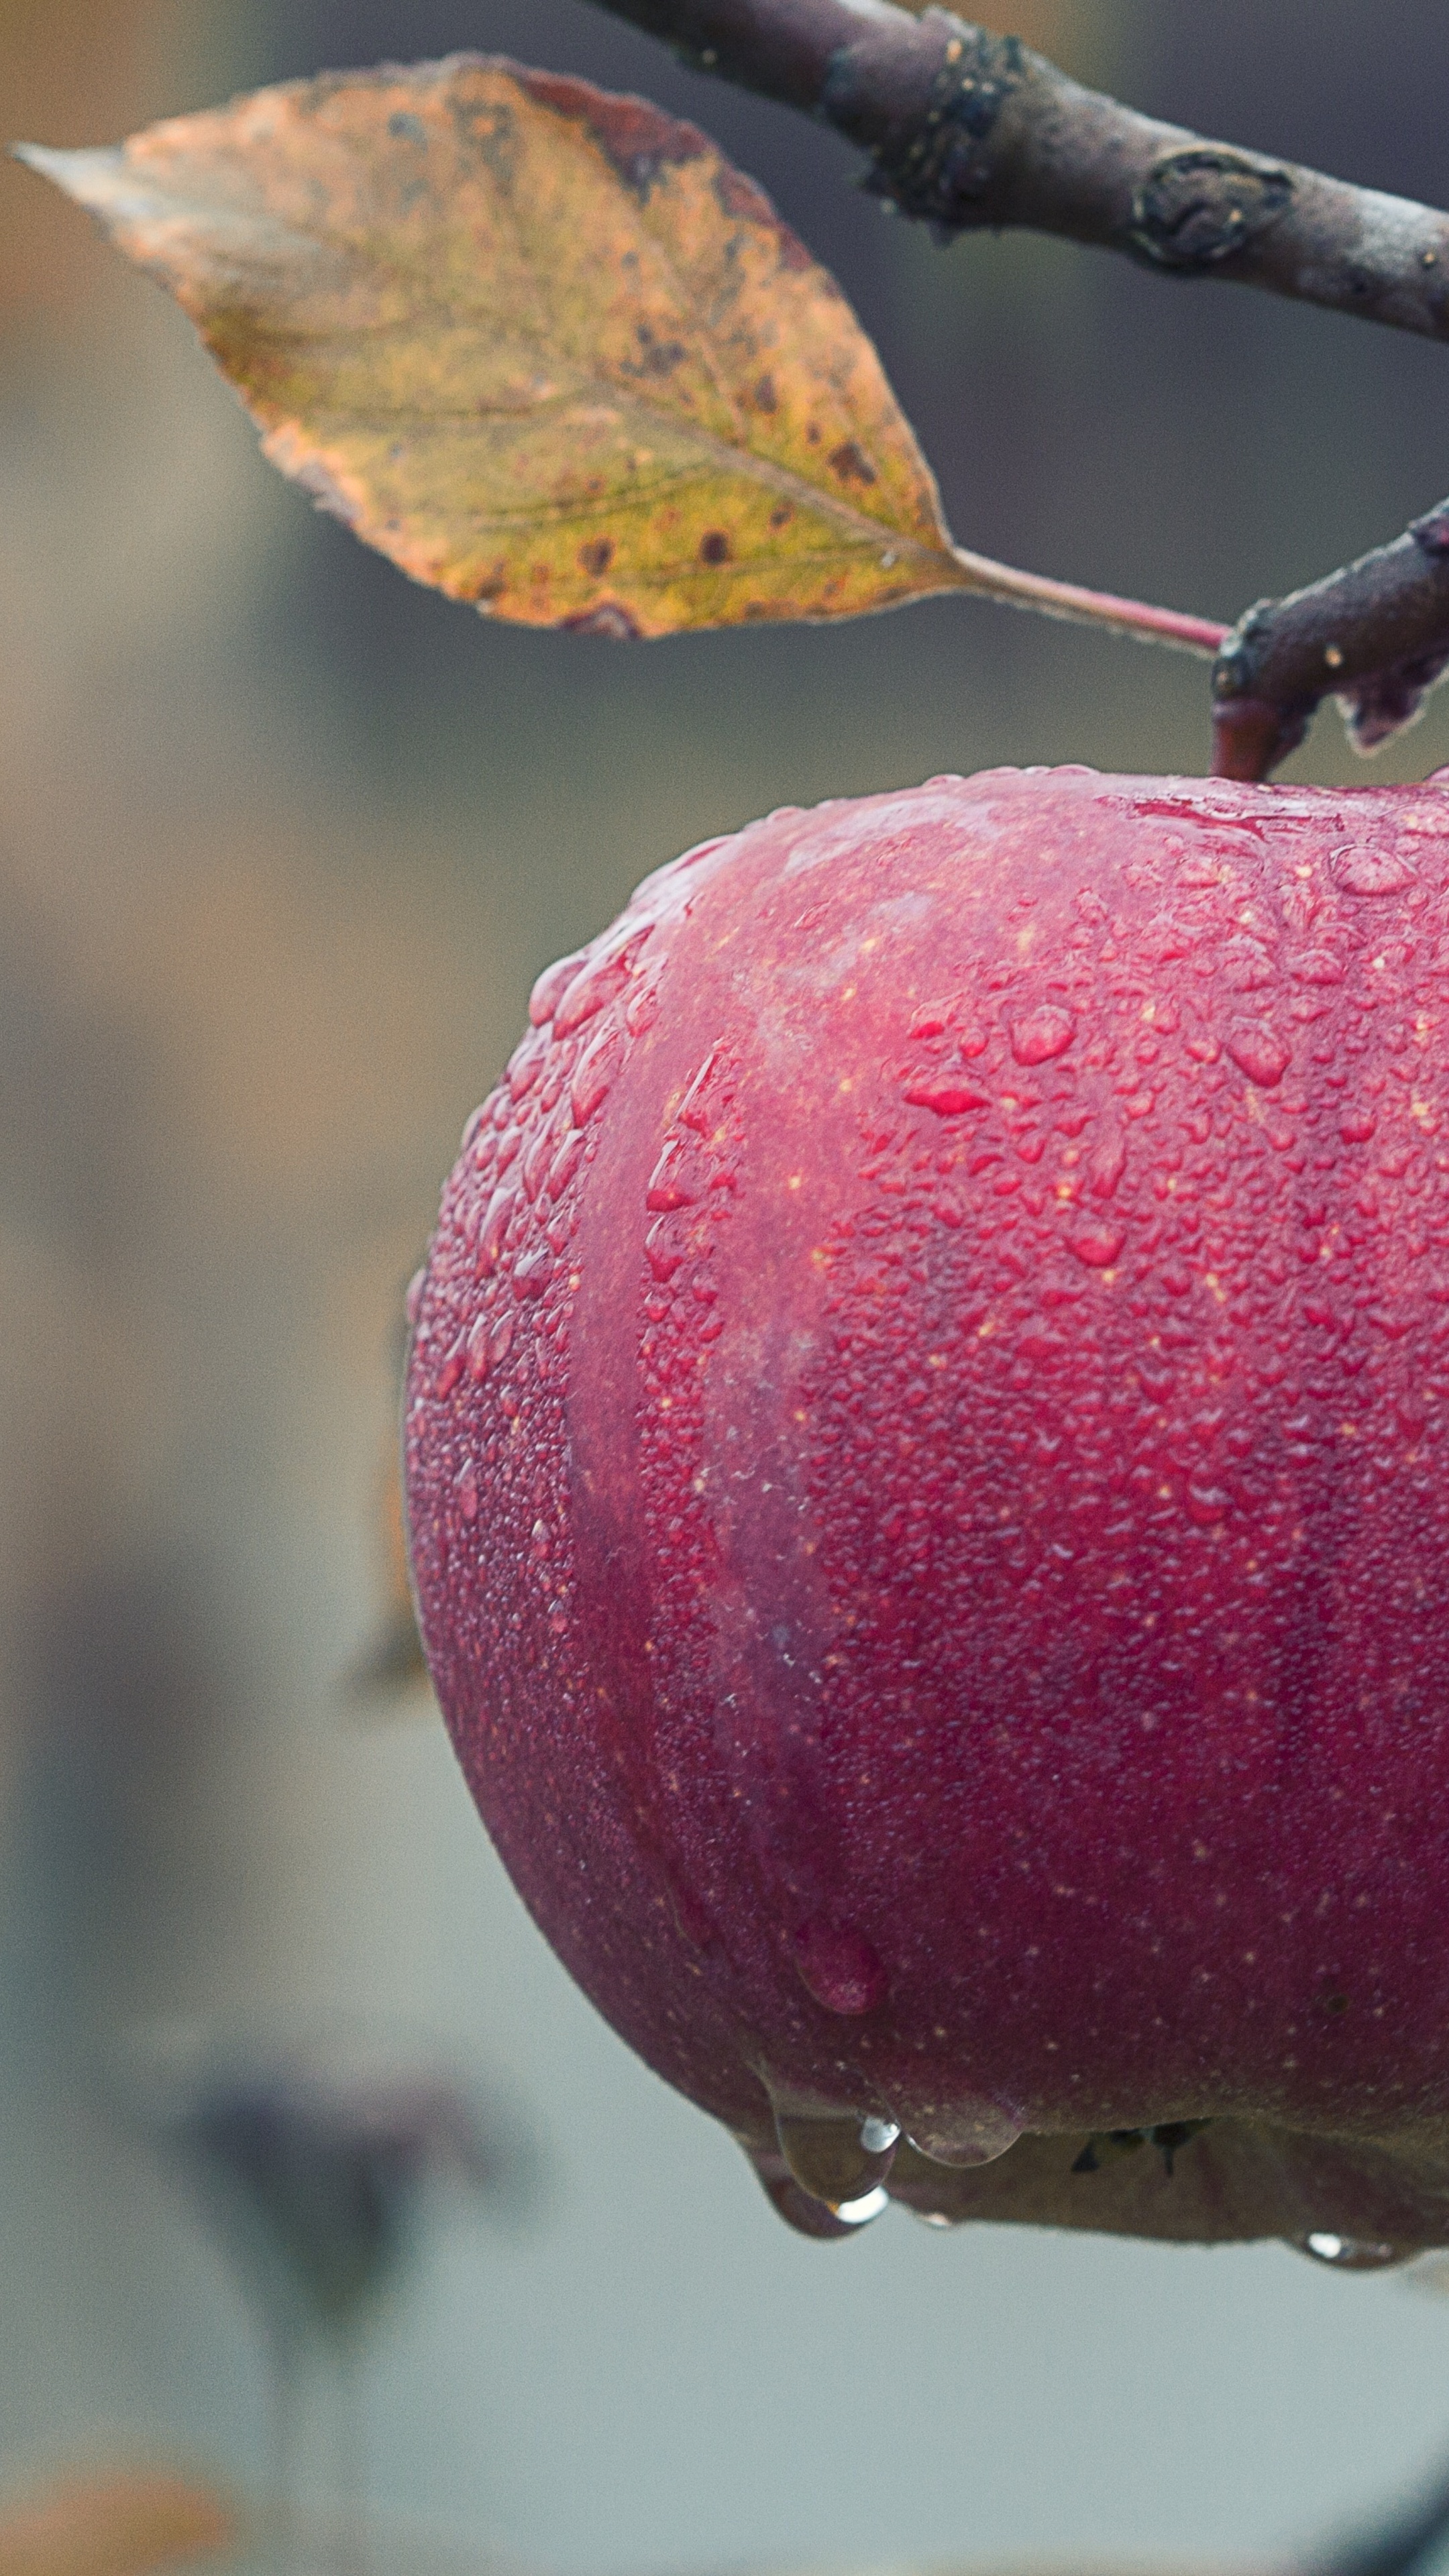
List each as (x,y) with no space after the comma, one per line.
(87,174)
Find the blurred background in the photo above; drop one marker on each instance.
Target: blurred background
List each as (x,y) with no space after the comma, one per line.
(282,842)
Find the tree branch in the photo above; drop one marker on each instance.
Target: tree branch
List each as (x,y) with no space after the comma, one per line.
(969,130)
(1375,636)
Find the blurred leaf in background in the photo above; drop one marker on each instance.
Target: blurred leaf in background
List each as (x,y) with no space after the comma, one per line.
(118,2524)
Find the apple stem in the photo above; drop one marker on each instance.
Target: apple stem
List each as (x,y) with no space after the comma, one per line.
(1375,636)
(1133,617)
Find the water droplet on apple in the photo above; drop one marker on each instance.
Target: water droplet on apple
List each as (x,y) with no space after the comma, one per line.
(1258,1053)
(526,1064)
(564,1165)
(826,2156)
(878,2132)
(946,1096)
(663,1250)
(606,974)
(551,983)
(532,1274)
(973,2130)
(1363,871)
(594,1073)
(837,1965)
(802,2211)
(494,1227)
(1041,1034)
(1351,2253)
(1098,1245)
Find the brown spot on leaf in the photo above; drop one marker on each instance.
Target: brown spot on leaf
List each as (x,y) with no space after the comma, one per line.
(609,620)
(597,556)
(766,398)
(851,463)
(714,547)
(638,139)
(781,515)
(656,357)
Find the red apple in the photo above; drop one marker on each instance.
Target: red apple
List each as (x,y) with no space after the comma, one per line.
(926,1449)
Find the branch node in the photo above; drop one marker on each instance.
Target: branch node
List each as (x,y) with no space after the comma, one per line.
(939,167)
(1197,207)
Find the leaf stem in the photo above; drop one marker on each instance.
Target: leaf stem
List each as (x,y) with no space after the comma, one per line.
(1135,617)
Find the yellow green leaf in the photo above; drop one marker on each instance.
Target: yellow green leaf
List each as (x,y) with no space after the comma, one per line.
(543,346)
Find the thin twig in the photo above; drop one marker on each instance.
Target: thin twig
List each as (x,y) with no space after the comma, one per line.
(969,130)
(1375,636)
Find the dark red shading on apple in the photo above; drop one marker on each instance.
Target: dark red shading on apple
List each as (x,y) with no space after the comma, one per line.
(926,1449)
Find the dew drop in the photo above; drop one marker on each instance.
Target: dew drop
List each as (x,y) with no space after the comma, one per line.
(1098,1245)
(1363,871)
(859,2213)
(800,2210)
(535,1163)
(594,1073)
(494,1228)
(878,2133)
(663,1250)
(668,1187)
(564,1165)
(480,1355)
(642,1008)
(468,1495)
(554,981)
(1258,1053)
(1357,1126)
(825,2154)
(1041,1034)
(451,1370)
(1351,2253)
(605,975)
(948,1098)
(837,1965)
(414,1298)
(500,1342)
(526,1064)
(532,1274)
(970,2131)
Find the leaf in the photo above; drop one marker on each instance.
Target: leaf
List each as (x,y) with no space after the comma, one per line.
(541,345)
(116,2525)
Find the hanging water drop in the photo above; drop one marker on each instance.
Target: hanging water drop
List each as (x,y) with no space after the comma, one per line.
(1351,2253)
(970,2131)
(801,2210)
(827,2154)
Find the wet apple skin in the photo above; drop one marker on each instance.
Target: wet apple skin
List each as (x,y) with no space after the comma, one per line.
(931,1539)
